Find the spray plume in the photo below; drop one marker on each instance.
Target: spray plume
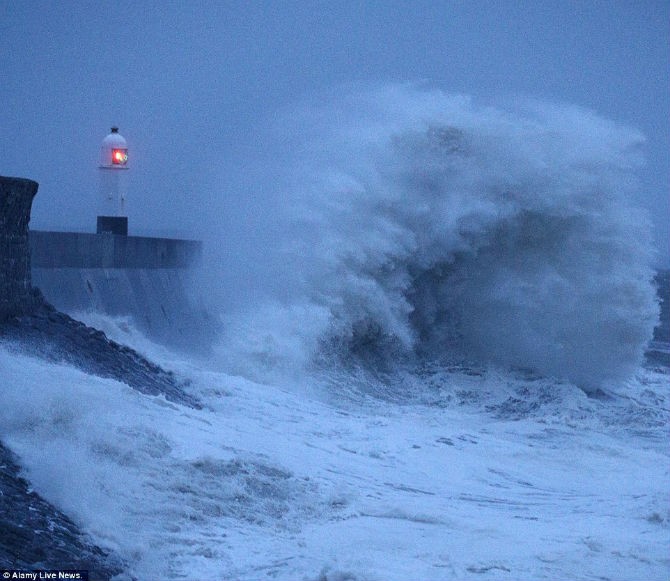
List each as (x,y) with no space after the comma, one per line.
(424,225)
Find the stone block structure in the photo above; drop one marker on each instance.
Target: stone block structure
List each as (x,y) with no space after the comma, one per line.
(16,293)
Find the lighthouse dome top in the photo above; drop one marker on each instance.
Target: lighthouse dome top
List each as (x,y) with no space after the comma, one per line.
(115,139)
(114,151)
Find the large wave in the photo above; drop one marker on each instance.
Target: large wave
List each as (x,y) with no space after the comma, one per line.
(426,225)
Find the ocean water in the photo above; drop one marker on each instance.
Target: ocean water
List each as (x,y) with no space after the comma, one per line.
(484,475)
(446,382)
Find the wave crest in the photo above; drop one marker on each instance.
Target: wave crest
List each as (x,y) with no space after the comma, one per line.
(443,228)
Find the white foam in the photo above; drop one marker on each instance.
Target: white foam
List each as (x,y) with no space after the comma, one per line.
(498,474)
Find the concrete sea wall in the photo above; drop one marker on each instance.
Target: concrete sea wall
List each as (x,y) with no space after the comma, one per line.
(146,279)
(79,250)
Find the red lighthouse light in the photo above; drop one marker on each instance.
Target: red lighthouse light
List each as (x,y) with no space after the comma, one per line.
(119,156)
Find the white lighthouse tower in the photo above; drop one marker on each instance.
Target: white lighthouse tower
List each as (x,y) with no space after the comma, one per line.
(113,168)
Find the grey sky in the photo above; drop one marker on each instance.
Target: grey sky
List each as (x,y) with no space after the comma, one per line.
(191,84)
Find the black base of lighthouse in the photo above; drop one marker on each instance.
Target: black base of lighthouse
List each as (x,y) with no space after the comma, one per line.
(113,225)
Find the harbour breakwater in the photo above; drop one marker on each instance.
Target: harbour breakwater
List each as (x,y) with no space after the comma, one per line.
(29,322)
(146,279)
(33,533)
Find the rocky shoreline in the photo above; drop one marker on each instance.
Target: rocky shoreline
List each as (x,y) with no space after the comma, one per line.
(56,337)
(35,535)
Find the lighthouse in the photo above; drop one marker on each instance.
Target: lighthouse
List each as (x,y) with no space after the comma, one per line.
(112,212)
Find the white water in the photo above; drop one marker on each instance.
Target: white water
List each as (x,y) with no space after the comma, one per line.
(391,414)
(491,476)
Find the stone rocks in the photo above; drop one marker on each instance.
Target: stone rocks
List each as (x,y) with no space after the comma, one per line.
(54,336)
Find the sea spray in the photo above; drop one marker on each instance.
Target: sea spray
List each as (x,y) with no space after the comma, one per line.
(423,225)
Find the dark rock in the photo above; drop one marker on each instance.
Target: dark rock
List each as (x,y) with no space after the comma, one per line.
(56,337)
(35,535)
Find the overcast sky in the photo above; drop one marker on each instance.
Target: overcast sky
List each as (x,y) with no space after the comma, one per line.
(191,84)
